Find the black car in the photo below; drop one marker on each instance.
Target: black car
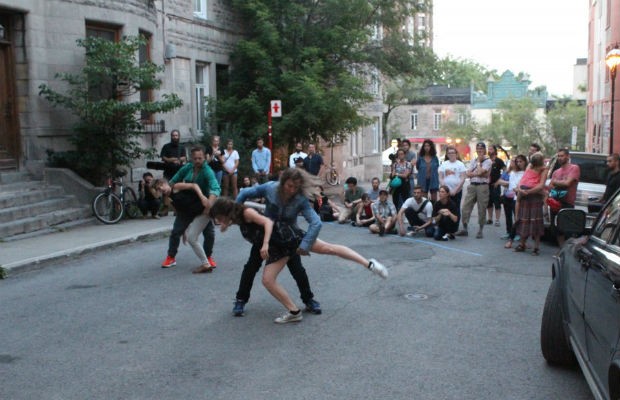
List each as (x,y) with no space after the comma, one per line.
(581,318)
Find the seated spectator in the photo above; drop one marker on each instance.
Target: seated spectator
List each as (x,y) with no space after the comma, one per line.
(352,200)
(325,208)
(419,212)
(445,215)
(364,215)
(384,213)
(149,198)
(373,193)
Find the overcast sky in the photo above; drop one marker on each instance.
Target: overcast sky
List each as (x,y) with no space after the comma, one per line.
(543,38)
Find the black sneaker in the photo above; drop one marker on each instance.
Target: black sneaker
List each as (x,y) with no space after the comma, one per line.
(313,306)
(381,231)
(238,308)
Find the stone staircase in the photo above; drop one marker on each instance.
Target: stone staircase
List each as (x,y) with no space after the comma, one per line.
(29,207)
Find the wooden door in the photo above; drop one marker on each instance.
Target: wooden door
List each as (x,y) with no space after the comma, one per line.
(9,126)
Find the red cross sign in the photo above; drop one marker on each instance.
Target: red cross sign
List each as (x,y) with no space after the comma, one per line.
(276,108)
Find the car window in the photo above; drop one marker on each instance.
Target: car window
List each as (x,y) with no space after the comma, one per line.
(607,221)
(592,170)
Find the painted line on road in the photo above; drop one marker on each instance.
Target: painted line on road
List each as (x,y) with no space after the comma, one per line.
(444,247)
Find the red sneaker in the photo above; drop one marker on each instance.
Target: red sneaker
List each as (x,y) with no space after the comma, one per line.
(212,261)
(169,262)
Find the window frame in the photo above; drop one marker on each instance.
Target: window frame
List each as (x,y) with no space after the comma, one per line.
(415,120)
(200,9)
(437,120)
(202,87)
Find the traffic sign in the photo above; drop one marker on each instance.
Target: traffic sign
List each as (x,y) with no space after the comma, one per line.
(276,108)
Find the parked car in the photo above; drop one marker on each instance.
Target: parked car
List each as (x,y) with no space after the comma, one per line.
(581,318)
(592,182)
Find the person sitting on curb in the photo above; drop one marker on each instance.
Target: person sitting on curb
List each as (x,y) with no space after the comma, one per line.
(384,213)
(419,212)
(352,200)
(364,215)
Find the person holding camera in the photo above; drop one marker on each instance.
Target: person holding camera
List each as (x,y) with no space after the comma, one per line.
(149,197)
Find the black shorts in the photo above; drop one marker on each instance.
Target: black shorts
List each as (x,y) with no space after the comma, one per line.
(495,197)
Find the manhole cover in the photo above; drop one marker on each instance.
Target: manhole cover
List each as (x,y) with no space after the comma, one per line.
(416,296)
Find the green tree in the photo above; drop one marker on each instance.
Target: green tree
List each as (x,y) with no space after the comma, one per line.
(516,123)
(463,73)
(318,57)
(561,119)
(105,137)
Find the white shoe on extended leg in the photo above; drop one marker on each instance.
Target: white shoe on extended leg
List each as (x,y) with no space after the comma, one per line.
(377,268)
(288,317)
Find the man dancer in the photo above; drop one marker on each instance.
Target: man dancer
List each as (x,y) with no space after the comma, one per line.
(478,189)
(261,161)
(199,172)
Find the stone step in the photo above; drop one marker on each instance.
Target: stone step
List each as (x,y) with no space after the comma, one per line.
(24,194)
(43,221)
(14,177)
(33,209)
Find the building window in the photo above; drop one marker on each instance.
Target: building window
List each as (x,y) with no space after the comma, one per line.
(375,84)
(200,8)
(202,92)
(353,143)
(422,21)
(461,119)
(414,121)
(376,135)
(437,120)
(144,56)
(105,89)
(377,32)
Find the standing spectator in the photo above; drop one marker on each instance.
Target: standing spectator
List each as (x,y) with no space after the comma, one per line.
(613,179)
(511,182)
(452,174)
(495,190)
(410,156)
(373,193)
(230,162)
(313,161)
(445,217)
(384,213)
(534,148)
(419,212)
(198,172)
(563,186)
(296,154)
(530,203)
(261,161)
(428,169)
(173,155)
(352,200)
(401,170)
(299,163)
(214,154)
(149,196)
(478,189)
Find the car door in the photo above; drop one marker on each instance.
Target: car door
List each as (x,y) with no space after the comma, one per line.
(602,295)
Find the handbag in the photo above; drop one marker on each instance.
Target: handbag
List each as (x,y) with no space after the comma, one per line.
(558,194)
(396,182)
(287,235)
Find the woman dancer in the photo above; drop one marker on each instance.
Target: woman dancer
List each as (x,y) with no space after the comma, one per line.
(284,200)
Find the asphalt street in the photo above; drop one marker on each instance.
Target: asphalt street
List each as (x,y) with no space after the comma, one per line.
(455,320)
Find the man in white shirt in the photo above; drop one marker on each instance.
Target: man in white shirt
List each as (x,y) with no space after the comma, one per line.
(419,212)
(297,154)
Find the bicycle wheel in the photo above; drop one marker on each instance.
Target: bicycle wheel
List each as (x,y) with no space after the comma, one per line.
(131,203)
(108,207)
(331,177)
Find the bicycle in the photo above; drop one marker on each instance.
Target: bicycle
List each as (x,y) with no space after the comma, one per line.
(115,201)
(331,176)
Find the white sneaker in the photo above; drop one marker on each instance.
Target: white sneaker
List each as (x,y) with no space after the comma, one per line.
(288,317)
(378,268)
(410,234)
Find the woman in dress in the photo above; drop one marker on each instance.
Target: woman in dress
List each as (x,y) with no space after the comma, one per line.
(428,170)
(230,162)
(401,169)
(284,200)
(530,199)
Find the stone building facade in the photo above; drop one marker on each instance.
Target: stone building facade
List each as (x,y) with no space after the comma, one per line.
(191,38)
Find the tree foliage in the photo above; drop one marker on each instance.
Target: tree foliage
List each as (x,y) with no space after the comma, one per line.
(561,119)
(318,57)
(105,137)
(462,73)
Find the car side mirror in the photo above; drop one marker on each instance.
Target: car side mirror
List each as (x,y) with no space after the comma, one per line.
(571,221)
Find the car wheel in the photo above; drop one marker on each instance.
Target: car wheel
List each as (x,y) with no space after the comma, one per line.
(553,340)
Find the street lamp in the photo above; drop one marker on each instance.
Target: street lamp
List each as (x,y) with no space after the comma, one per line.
(612,59)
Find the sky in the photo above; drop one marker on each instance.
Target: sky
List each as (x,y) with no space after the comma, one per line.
(542,38)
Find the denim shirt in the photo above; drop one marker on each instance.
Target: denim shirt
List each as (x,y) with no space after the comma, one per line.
(421,165)
(277,211)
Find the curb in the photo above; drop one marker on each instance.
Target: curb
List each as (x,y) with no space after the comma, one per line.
(35,263)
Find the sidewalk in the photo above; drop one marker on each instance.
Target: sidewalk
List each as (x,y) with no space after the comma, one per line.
(31,253)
